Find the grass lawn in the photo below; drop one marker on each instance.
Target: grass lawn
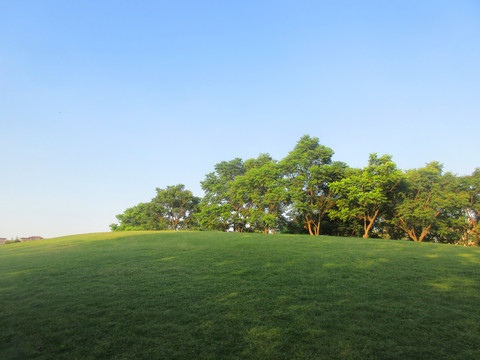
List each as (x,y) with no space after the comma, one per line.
(207,295)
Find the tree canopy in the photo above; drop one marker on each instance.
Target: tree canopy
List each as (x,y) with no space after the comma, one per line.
(172,208)
(308,192)
(309,170)
(364,194)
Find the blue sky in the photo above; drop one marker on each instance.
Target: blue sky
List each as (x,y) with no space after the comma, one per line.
(103,101)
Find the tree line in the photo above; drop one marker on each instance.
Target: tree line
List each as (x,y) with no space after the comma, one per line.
(309,193)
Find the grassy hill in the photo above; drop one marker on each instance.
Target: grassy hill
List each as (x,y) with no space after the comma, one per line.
(206,295)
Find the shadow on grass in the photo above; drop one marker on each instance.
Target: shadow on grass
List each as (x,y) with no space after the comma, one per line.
(249,297)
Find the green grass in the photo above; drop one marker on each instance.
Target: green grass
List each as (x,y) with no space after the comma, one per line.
(204,295)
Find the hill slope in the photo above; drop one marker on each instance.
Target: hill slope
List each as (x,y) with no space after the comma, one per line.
(167,295)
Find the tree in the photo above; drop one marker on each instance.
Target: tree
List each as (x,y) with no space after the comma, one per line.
(431,203)
(472,210)
(364,194)
(263,189)
(172,208)
(222,207)
(214,216)
(308,170)
(144,216)
(177,204)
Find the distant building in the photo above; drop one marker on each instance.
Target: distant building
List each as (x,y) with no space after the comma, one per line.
(31,238)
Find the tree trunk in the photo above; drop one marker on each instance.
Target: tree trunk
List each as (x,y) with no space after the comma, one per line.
(317,225)
(371,221)
(424,233)
(367,230)
(174,222)
(309,223)
(412,234)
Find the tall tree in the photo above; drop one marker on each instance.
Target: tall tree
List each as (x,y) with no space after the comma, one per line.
(364,194)
(432,202)
(264,189)
(309,170)
(222,207)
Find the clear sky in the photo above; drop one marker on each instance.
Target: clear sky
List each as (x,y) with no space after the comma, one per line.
(103,101)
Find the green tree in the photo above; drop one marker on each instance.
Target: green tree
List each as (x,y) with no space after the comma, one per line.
(144,216)
(243,196)
(222,207)
(172,208)
(214,216)
(308,170)
(177,204)
(431,204)
(365,193)
(263,189)
(472,210)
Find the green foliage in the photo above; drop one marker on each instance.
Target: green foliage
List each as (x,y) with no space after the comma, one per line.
(431,206)
(12,241)
(214,216)
(221,207)
(308,192)
(144,216)
(472,209)
(364,194)
(308,170)
(243,196)
(307,153)
(262,187)
(178,205)
(172,208)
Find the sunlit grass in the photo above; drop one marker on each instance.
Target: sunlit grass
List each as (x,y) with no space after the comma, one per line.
(189,295)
